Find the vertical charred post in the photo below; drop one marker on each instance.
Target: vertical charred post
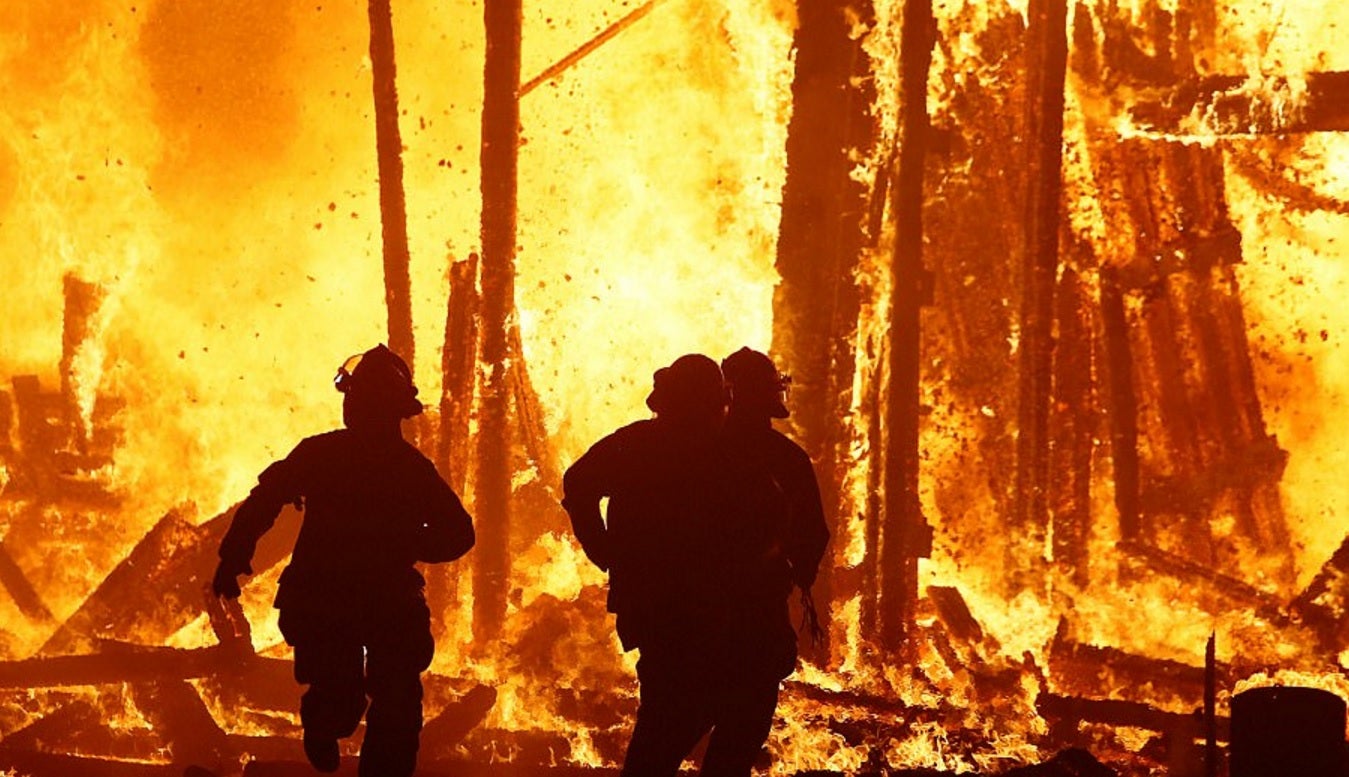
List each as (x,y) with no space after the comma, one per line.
(1047,55)
(1211,707)
(458,361)
(1190,447)
(459,370)
(1073,418)
(815,306)
(500,158)
(1122,402)
(904,529)
(392,204)
(82,300)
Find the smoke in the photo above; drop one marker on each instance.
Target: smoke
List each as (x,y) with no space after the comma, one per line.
(223,80)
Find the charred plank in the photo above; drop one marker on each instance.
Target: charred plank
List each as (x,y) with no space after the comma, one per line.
(458,359)
(500,160)
(162,584)
(37,764)
(182,722)
(816,303)
(1243,105)
(392,201)
(117,663)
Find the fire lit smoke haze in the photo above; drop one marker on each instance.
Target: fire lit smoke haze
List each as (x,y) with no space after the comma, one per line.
(211,166)
(191,231)
(651,176)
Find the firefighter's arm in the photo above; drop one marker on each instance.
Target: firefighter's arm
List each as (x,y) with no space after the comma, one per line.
(583,488)
(809,533)
(257,513)
(447,531)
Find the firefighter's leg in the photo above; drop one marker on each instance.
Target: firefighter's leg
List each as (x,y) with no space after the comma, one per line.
(398,651)
(331,663)
(671,717)
(744,716)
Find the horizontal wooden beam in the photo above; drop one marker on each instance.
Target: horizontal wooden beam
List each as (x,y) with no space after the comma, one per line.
(1235,106)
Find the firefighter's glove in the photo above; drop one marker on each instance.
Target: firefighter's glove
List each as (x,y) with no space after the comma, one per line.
(226,581)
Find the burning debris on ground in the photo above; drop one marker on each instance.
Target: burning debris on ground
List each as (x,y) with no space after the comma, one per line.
(1058,286)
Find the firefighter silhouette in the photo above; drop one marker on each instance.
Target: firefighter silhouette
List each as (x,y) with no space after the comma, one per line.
(692,539)
(758,395)
(351,600)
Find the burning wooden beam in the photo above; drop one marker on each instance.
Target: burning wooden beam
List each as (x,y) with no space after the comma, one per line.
(500,160)
(25,597)
(955,613)
(38,764)
(255,683)
(1211,583)
(529,419)
(447,768)
(904,534)
(162,584)
(443,733)
(392,202)
(1324,605)
(1188,444)
(1047,52)
(118,663)
(1064,713)
(49,461)
(1073,421)
(1247,105)
(1121,402)
(459,361)
(586,49)
(820,237)
(1094,672)
(82,301)
(176,712)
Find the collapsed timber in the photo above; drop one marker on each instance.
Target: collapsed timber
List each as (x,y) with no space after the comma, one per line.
(105,694)
(72,702)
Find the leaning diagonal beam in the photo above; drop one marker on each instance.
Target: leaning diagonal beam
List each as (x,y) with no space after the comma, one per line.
(586,49)
(26,598)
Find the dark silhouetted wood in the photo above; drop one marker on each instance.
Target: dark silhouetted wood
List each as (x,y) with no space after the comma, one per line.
(1227,105)
(953,611)
(35,764)
(1073,428)
(162,584)
(903,534)
(500,159)
(1047,52)
(820,237)
(25,597)
(1095,672)
(176,712)
(1121,403)
(1056,708)
(82,301)
(1324,605)
(392,202)
(607,34)
(529,416)
(117,663)
(459,361)
(1211,707)
(443,733)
